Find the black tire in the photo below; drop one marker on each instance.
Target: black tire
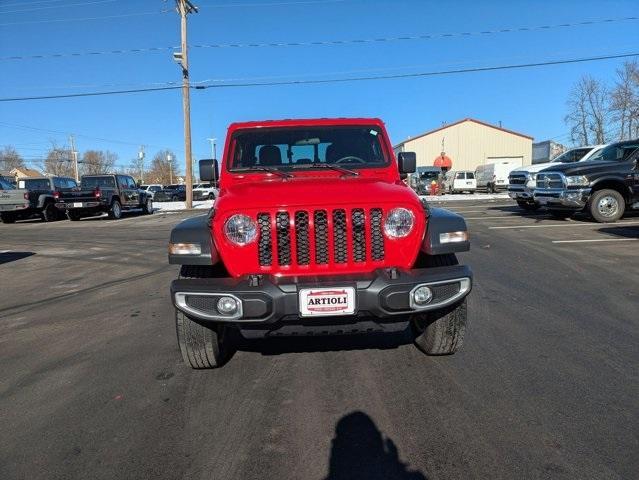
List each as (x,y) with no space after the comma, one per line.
(441,332)
(211,196)
(115,212)
(175,198)
(606,206)
(73,216)
(7,218)
(49,212)
(560,214)
(528,206)
(202,345)
(147,208)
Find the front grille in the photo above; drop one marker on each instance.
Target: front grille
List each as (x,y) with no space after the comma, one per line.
(320,237)
(517,179)
(550,180)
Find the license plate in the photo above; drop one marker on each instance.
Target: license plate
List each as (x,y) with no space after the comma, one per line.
(77,205)
(316,302)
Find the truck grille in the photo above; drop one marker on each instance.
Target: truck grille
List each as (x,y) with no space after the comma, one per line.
(550,180)
(320,237)
(517,179)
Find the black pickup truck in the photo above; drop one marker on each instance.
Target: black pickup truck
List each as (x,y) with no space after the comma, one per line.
(605,186)
(40,195)
(104,193)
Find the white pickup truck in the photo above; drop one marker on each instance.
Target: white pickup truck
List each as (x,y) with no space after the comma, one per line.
(12,201)
(522,182)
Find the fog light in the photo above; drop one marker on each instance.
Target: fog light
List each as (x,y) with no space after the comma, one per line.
(227,305)
(422,295)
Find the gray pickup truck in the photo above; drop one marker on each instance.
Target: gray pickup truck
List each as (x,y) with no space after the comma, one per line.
(36,197)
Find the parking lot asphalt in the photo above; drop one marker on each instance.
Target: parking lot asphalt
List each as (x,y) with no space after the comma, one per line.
(547,385)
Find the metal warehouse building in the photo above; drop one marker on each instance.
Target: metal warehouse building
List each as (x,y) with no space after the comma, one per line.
(469,143)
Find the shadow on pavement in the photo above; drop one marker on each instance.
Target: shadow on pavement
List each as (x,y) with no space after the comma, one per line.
(623,232)
(359,451)
(13,256)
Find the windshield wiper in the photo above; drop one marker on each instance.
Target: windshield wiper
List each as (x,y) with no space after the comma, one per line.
(264,169)
(335,167)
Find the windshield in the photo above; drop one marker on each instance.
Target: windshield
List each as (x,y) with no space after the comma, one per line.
(304,147)
(616,152)
(429,175)
(573,155)
(95,182)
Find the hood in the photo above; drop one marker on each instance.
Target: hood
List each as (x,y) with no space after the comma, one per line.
(537,167)
(582,168)
(306,191)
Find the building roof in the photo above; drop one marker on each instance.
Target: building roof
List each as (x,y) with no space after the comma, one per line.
(25,172)
(463,120)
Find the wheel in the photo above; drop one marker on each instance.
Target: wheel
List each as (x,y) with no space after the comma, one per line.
(175,198)
(441,332)
(211,196)
(560,214)
(73,216)
(202,345)
(147,208)
(115,212)
(7,218)
(529,206)
(49,212)
(606,206)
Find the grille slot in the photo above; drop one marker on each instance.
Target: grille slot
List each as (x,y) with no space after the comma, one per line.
(340,251)
(550,180)
(302,246)
(320,237)
(320,218)
(283,238)
(517,179)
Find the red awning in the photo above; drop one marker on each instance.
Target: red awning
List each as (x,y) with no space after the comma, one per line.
(443,161)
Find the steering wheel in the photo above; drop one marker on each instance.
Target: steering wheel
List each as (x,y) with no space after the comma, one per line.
(348,158)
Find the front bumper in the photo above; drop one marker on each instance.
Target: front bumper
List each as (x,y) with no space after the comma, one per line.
(521,193)
(570,199)
(383,294)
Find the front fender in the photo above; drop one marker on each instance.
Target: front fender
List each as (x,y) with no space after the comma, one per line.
(440,221)
(194,230)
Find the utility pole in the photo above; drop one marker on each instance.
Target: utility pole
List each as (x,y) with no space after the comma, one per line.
(170,160)
(184,7)
(74,157)
(141,163)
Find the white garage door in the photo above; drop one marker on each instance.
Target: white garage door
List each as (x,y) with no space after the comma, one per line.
(513,160)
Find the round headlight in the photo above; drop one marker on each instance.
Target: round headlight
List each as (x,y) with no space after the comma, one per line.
(399,222)
(240,229)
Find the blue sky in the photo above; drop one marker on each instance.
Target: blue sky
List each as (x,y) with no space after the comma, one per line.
(531,101)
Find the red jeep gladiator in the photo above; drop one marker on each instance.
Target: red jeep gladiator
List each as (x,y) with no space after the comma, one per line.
(314,233)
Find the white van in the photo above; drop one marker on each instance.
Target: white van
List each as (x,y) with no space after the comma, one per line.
(460,181)
(494,176)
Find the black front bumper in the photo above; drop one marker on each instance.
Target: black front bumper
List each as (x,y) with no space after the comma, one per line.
(267,300)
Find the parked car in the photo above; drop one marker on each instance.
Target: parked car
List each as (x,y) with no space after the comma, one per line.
(460,181)
(493,177)
(41,194)
(171,193)
(152,189)
(422,180)
(522,181)
(104,193)
(204,191)
(332,244)
(605,186)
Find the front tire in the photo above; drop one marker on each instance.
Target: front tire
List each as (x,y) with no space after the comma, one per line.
(441,332)
(606,206)
(147,208)
(115,212)
(201,346)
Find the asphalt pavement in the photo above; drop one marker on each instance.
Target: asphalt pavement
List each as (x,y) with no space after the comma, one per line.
(546,387)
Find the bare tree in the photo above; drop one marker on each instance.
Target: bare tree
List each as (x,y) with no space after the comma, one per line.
(588,112)
(95,162)
(624,101)
(10,159)
(59,162)
(162,169)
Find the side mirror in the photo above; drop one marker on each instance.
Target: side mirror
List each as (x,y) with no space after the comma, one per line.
(209,170)
(407,162)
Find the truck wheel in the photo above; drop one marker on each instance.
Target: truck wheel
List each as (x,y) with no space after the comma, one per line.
(73,216)
(211,196)
(49,212)
(115,212)
(7,218)
(147,208)
(441,332)
(201,346)
(560,214)
(606,206)
(531,207)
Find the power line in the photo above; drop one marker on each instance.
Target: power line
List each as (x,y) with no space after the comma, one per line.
(23,4)
(124,15)
(59,6)
(426,36)
(333,80)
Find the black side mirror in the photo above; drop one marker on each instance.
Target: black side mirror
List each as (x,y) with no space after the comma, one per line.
(407,162)
(209,170)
